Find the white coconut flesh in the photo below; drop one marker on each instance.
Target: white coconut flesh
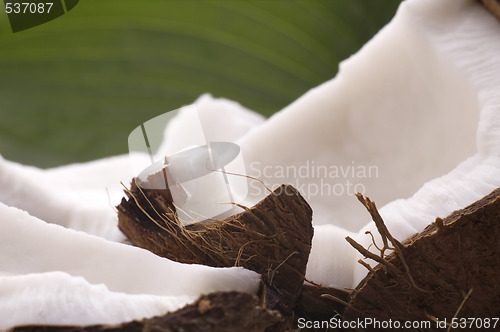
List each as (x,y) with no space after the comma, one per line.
(113,272)
(448,50)
(41,297)
(419,102)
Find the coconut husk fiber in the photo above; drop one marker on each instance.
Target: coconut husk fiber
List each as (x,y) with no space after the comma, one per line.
(272,238)
(449,270)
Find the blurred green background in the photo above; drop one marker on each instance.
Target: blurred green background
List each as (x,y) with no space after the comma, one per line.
(72,89)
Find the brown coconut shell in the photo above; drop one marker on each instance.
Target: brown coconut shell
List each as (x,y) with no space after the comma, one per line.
(450,270)
(493,6)
(272,238)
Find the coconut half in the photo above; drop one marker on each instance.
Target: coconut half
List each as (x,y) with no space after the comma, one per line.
(62,252)
(419,104)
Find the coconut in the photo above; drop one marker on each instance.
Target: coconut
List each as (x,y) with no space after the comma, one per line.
(448,271)
(273,238)
(412,119)
(396,106)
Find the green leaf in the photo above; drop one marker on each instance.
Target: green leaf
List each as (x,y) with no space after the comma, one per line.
(73,88)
